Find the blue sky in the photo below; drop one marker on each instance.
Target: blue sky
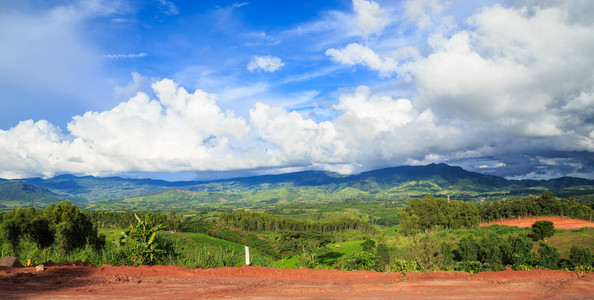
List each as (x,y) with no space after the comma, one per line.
(202,89)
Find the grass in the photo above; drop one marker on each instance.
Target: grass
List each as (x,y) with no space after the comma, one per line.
(209,240)
(564,239)
(327,256)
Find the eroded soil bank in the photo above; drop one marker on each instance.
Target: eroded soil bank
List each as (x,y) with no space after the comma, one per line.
(68,281)
(558,222)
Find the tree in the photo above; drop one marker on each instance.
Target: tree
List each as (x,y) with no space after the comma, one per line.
(427,253)
(307,242)
(382,256)
(368,245)
(541,230)
(467,250)
(12,231)
(580,256)
(73,229)
(39,231)
(549,255)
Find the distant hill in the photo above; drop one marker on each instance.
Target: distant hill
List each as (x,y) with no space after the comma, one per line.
(396,183)
(19,194)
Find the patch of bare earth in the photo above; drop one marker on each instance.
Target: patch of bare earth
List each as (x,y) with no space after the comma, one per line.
(560,223)
(159,282)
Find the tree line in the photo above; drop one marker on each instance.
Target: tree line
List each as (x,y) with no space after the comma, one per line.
(116,220)
(63,224)
(253,221)
(545,204)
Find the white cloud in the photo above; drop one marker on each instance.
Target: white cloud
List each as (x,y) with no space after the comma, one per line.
(169,8)
(266,63)
(237,5)
(139,83)
(513,75)
(371,19)
(184,131)
(124,56)
(427,15)
(354,54)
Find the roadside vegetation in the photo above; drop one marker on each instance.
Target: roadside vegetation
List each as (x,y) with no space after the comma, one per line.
(428,234)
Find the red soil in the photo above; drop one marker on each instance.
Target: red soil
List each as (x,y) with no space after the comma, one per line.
(110,282)
(560,223)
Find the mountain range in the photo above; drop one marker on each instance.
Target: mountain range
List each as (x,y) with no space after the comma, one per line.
(396,183)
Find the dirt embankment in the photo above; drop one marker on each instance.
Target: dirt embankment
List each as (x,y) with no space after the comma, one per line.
(560,223)
(110,282)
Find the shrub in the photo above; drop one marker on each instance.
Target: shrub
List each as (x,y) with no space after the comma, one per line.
(580,256)
(358,261)
(549,256)
(472,266)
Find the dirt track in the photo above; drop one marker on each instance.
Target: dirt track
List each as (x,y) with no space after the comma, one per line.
(109,282)
(560,223)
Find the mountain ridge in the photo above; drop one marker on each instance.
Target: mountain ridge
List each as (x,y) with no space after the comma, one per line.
(401,183)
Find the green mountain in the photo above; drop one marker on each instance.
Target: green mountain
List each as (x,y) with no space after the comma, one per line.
(397,183)
(21,194)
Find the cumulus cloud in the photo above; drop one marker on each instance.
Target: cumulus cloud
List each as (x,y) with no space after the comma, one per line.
(181,131)
(513,79)
(427,15)
(511,92)
(265,63)
(370,18)
(354,54)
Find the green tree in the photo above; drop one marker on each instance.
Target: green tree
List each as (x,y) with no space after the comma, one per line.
(467,249)
(549,256)
(12,231)
(580,256)
(409,223)
(541,230)
(368,245)
(382,256)
(40,232)
(427,253)
(72,227)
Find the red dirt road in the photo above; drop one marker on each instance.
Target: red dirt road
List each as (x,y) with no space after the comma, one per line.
(159,282)
(557,221)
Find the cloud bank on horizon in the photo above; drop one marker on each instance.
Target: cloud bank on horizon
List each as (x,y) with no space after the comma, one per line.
(505,88)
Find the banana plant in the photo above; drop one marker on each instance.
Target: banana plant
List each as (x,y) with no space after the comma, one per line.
(142,240)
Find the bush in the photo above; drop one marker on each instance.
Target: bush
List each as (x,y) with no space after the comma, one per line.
(358,261)
(472,266)
(403,266)
(580,256)
(549,256)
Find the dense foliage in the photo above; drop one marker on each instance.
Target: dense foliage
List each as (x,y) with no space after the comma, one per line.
(542,230)
(63,224)
(142,239)
(543,205)
(434,234)
(423,214)
(265,222)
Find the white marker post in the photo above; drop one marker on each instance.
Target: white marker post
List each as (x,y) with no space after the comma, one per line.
(247,255)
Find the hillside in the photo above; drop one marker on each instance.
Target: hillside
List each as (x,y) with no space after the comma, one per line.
(18,193)
(396,183)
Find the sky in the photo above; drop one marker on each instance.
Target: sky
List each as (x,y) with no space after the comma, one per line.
(184,90)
